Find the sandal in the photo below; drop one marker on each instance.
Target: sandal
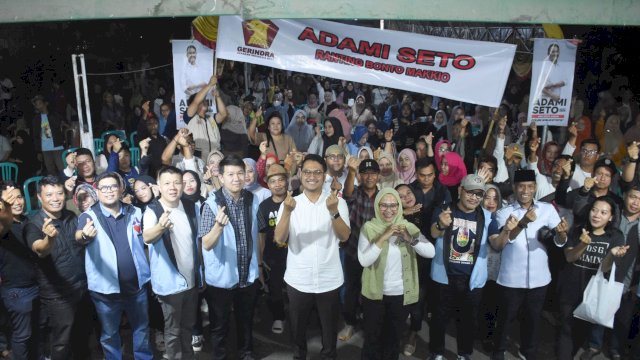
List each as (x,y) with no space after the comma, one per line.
(346,333)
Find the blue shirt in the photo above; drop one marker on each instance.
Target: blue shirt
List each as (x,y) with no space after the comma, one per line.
(46,135)
(117,227)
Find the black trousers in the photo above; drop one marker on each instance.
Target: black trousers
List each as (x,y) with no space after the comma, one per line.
(275,299)
(69,321)
(622,323)
(427,286)
(352,288)
(384,323)
(457,302)
(573,332)
(300,306)
(220,302)
(513,300)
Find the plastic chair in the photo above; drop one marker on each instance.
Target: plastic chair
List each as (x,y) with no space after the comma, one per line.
(98,145)
(27,195)
(135,156)
(120,133)
(64,155)
(9,171)
(132,139)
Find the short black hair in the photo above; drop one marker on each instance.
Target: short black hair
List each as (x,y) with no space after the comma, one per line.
(231,160)
(488,158)
(85,151)
(49,180)
(590,141)
(109,175)
(425,162)
(169,170)
(316,158)
(4,184)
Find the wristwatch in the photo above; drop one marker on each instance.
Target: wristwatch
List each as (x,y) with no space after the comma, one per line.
(439,227)
(336,215)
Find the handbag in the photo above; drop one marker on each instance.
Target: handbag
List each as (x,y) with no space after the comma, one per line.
(601,299)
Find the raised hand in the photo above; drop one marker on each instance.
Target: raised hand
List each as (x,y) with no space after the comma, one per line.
(534,144)
(332,201)
(9,195)
(144,145)
(412,210)
(263,148)
(213,80)
(388,135)
(445,218)
(585,238)
(566,168)
(289,202)
(429,139)
(530,216)
(512,223)
(342,141)
(335,185)
(70,184)
(165,221)
(155,189)
(573,130)
(563,227)
(222,218)
(484,174)
(353,164)
(88,230)
(589,183)
(49,229)
(619,251)
(633,150)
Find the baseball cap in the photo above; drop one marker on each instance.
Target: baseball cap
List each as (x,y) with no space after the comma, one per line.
(517,150)
(608,163)
(368,165)
(334,150)
(276,169)
(472,182)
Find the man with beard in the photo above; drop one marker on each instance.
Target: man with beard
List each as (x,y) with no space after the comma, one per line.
(273,256)
(314,273)
(360,200)
(460,265)
(335,160)
(524,268)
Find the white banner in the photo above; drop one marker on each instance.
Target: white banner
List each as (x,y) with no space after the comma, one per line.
(192,69)
(464,70)
(551,81)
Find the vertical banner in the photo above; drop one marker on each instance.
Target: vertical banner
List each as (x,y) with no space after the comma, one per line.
(551,81)
(192,69)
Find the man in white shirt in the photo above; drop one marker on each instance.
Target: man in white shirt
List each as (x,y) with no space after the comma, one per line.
(524,267)
(589,154)
(314,273)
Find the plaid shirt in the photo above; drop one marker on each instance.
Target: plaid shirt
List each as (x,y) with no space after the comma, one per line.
(361,210)
(235,210)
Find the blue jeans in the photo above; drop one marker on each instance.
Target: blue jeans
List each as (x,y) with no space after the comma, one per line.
(23,305)
(110,309)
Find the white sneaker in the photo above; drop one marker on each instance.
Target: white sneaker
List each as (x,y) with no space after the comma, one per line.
(277,327)
(196,342)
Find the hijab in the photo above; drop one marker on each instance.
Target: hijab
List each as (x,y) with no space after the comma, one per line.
(367,149)
(545,166)
(358,132)
(457,170)
(90,190)
(444,119)
(260,192)
(302,134)
(436,151)
(375,227)
(197,195)
(346,125)
(392,180)
(410,175)
(333,139)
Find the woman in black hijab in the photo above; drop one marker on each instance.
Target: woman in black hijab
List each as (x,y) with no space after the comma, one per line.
(331,135)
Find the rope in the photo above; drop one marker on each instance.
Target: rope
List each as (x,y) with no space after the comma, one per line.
(129,72)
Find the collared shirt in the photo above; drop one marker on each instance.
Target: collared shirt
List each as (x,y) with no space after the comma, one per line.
(361,209)
(630,232)
(524,262)
(117,227)
(236,217)
(313,261)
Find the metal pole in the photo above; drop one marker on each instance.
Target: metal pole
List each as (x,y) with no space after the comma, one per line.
(87,138)
(544,135)
(78,98)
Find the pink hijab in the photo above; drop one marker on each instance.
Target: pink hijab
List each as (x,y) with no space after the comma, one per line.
(410,175)
(437,153)
(457,170)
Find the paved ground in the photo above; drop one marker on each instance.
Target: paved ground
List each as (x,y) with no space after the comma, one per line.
(275,347)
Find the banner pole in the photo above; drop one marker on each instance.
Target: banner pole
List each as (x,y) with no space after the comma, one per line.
(544,134)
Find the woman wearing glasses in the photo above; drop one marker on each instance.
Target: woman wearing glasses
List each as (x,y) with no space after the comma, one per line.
(387,250)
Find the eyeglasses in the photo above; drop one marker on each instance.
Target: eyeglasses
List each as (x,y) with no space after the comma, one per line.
(312,172)
(108,188)
(388,206)
(589,152)
(335,157)
(477,194)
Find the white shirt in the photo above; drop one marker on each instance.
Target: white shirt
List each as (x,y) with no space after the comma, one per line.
(379,95)
(523,261)
(328,179)
(579,175)
(313,261)
(368,253)
(544,186)
(181,239)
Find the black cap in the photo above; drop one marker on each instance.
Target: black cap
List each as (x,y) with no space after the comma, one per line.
(608,163)
(524,175)
(368,165)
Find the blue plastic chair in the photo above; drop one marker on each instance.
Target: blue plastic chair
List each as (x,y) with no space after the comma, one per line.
(9,171)
(98,145)
(135,156)
(64,155)
(132,139)
(27,195)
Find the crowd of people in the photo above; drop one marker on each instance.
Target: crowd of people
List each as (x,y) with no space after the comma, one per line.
(365,207)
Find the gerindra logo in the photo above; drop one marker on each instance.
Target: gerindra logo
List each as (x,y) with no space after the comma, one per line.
(259,33)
